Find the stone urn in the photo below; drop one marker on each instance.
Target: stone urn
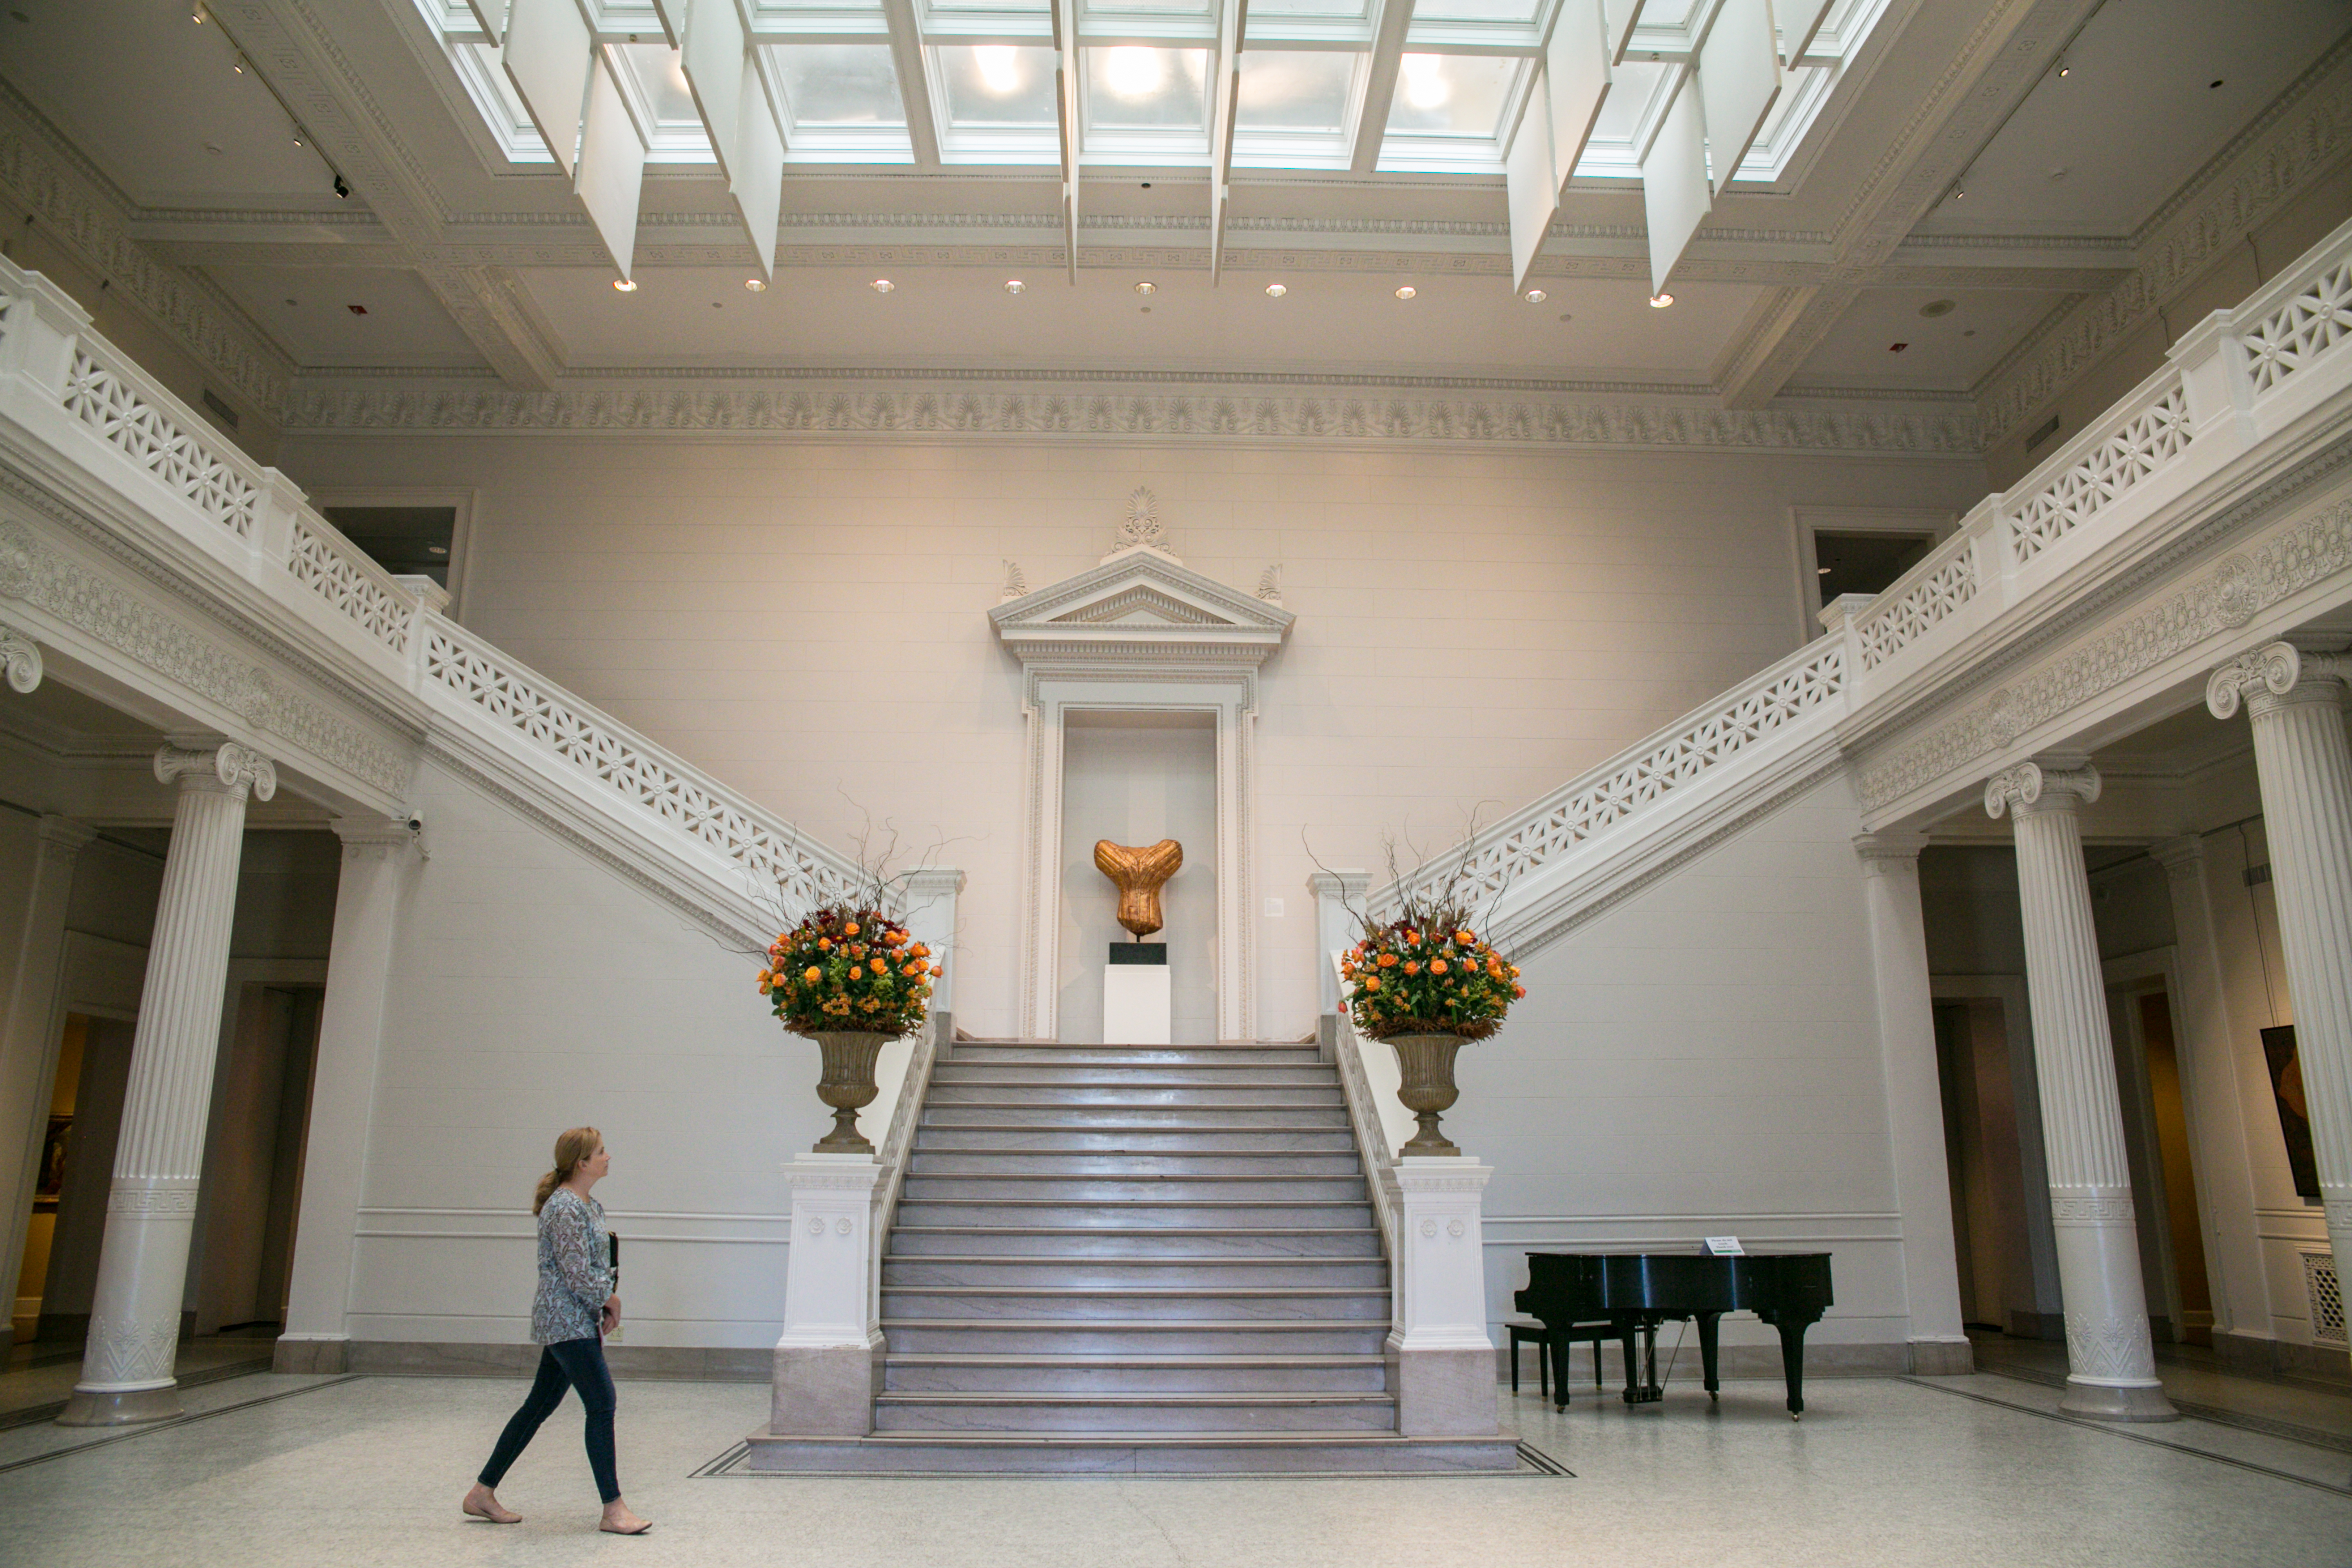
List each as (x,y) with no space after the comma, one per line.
(1427,1064)
(847,1085)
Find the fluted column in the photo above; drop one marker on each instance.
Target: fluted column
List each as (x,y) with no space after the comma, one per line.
(151,1209)
(2111,1363)
(2295,700)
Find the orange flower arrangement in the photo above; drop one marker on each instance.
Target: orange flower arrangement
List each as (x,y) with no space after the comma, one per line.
(1408,980)
(849,970)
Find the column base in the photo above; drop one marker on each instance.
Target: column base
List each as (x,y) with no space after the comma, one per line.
(1942,1358)
(824,1390)
(121,1407)
(2104,1402)
(1444,1393)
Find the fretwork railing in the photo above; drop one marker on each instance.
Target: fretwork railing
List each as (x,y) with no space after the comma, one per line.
(2236,378)
(64,385)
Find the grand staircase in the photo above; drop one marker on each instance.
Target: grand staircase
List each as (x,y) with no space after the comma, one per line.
(1125,1258)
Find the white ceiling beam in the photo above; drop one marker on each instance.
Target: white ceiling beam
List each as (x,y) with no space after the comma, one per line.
(1379,82)
(1067,65)
(1562,106)
(914,81)
(1233,20)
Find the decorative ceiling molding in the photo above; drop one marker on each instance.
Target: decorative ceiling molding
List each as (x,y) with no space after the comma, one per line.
(84,211)
(831,406)
(2304,135)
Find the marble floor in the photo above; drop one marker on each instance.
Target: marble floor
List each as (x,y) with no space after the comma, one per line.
(1886,1472)
(36,1377)
(2314,1411)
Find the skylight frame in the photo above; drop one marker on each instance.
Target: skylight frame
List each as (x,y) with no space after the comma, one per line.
(1773,161)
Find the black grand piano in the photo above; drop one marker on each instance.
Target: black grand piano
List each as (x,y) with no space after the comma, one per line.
(1636,1291)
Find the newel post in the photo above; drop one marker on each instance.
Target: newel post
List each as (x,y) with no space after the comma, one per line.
(1440,1358)
(829,1358)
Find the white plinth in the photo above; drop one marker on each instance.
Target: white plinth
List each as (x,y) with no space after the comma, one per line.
(1135,1009)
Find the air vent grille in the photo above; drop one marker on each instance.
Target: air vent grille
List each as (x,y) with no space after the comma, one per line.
(2327,1298)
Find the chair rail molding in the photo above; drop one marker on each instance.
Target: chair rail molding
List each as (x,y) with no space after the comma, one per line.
(1139,633)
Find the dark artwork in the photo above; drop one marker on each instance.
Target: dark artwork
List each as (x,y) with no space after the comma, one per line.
(53,1164)
(2294,1115)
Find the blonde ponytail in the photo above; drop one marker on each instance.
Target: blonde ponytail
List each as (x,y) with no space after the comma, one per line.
(571,1146)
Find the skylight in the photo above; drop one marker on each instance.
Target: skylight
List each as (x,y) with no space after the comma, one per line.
(832,72)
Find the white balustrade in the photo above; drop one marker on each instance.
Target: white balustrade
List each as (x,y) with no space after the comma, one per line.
(2236,378)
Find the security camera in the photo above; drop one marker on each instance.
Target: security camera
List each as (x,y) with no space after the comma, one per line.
(415,823)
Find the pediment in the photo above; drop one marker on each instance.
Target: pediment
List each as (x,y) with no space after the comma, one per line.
(1142,603)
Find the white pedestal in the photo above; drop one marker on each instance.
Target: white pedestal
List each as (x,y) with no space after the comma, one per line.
(1442,1360)
(828,1366)
(1136,1007)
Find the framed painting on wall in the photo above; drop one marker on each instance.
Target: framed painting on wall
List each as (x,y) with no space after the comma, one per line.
(2295,1116)
(52,1179)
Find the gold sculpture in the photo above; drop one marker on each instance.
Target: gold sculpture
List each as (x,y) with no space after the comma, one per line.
(1139,874)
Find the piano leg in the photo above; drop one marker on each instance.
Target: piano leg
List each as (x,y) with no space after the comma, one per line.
(1555,1347)
(1792,1361)
(1707,1326)
(1631,1332)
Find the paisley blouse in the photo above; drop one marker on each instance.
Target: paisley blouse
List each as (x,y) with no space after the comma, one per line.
(575,1269)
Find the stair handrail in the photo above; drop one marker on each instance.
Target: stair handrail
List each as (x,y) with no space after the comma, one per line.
(1364,1117)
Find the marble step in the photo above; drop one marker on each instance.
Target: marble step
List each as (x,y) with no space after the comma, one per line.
(908,1334)
(1197,1139)
(1157,1212)
(1065,1242)
(1167,1273)
(1231,1075)
(1143,1453)
(1122,1302)
(1127,1114)
(1234,1097)
(1269,1163)
(1136,1375)
(968,1051)
(1194,1188)
(1158,1413)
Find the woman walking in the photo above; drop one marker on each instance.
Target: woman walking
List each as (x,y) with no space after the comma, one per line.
(571,1315)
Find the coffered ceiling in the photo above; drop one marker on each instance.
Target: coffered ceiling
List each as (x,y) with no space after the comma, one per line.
(1952,176)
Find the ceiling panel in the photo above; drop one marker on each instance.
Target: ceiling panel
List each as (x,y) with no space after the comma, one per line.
(154,98)
(2097,150)
(1945,352)
(965,317)
(308,309)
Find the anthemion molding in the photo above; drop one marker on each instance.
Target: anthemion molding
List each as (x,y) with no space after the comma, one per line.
(1077,403)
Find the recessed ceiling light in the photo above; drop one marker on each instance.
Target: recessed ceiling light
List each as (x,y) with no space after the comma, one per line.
(882,285)
(756,285)
(1660,301)
(625,285)
(1277,290)
(1565,316)
(1407,292)
(1935,308)
(1897,348)
(1147,287)
(1015,285)
(1537,296)
(2058,173)
(2064,68)
(1822,571)
(214,148)
(356,309)
(238,65)
(437,550)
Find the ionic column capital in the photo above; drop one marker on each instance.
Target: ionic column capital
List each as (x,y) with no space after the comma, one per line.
(225,769)
(1885,853)
(20,656)
(2051,784)
(2274,674)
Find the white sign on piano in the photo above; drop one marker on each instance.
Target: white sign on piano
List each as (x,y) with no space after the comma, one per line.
(1723,1247)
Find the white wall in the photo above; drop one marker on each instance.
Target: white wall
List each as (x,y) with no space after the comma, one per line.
(807,620)
(534,989)
(1703,1060)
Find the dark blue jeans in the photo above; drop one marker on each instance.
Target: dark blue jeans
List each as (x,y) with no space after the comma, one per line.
(577,1364)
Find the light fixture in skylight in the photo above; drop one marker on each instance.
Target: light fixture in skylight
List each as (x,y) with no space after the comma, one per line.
(1132,74)
(997,86)
(1132,87)
(1453,95)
